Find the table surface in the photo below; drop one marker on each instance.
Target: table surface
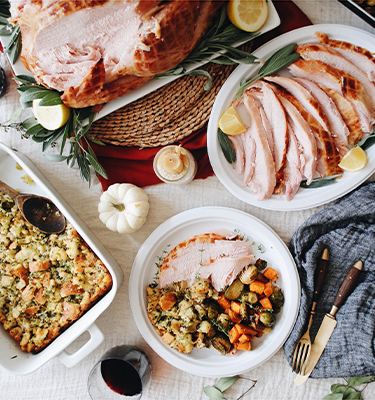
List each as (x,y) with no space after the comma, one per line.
(54,381)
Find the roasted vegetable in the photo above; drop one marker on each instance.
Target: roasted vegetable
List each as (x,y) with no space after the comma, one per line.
(234,291)
(261,264)
(243,346)
(267,318)
(213,310)
(271,274)
(234,317)
(251,297)
(248,274)
(268,290)
(223,302)
(235,307)
(277,299)
(245,330)
(223,320)
(234,335)
(221,344)
(257,287)
(265,302)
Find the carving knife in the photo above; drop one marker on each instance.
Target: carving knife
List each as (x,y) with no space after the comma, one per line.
(329,322)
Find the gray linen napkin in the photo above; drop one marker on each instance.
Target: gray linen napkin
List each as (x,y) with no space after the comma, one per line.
(347,228)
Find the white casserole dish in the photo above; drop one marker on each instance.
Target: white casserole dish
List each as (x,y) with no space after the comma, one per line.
(11,357)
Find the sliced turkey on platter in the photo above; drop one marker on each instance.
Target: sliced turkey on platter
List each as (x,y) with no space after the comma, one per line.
(300,126)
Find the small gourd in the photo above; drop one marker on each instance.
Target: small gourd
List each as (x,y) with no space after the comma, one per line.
(123,208)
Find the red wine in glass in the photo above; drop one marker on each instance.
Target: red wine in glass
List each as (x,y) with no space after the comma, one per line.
(121,373)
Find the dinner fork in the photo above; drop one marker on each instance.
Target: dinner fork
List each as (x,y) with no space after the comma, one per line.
(302,350)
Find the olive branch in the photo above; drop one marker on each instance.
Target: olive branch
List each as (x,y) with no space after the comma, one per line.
(14,46)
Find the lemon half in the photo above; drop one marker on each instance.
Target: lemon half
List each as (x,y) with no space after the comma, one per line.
(230,122)
(354,160)
(248,15)
(51,117)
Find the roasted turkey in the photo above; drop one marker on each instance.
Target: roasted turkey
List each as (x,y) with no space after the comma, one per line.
(97,50)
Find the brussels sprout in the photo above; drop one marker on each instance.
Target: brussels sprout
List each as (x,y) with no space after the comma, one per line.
(221,344)
(223,320)
(248,274)
(243,310)
(261,264)
(212,312)
(252,297)
(266,318)
(277,299)
(234,291)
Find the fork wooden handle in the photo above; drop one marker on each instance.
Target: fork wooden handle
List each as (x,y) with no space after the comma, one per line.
(320,274)
(347,285)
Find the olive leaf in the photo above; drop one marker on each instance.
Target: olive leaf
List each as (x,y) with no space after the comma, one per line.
(353,395)
(213,393)
(13,48)
(226,146)
(360,380)
(225,383)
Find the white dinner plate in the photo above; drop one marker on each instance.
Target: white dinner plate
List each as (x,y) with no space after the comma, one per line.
(272,22)
(266,244)
(305,198)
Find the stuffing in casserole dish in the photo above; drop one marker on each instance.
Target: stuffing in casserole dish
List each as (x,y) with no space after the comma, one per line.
(46,281)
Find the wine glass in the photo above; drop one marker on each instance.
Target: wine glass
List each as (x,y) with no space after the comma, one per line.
(121,373)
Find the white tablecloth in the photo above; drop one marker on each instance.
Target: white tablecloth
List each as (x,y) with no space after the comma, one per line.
(54,381)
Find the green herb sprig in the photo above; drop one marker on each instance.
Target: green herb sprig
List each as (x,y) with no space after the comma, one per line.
(217,47)
(281,59)
(226,146)
(73,135)
(217,390)
(352,390)
(14,46)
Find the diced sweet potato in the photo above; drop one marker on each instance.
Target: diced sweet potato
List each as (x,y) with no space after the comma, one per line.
(268,289)
(236,307)
(245,330)
(224,303)
(244,339)
(257,287)
(234,317)
(271,274)
(265,302)
(234,335)
(243,346)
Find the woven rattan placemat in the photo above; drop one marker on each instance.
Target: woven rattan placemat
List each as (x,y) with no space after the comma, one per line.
(164,116)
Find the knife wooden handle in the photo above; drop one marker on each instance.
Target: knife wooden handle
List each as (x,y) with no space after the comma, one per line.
(348,284)
(320,274)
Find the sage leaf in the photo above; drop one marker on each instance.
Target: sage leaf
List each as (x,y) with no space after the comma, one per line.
(50,99)
(360,380)
(29,122)
(334,396)
(320,182)
(280,54)
(213,393)
(24,79)
(55,157)
(367,141)
(338,388)
(201,72)
(352,395)
(225,383)
(226,146)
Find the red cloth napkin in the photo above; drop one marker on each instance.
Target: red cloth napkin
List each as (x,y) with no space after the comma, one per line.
(133,165)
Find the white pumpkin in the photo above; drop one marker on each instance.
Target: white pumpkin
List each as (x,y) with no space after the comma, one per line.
(123,208)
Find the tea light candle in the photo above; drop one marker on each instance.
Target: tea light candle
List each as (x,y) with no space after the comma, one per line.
(174,164)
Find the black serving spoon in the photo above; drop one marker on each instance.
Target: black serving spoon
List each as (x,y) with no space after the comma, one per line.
(37,210)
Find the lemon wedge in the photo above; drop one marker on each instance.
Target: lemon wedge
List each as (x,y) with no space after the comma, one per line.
(230,122)
(51,117)
(354,160)
(248,15)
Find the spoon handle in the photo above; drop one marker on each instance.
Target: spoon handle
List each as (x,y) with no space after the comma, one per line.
(8,190)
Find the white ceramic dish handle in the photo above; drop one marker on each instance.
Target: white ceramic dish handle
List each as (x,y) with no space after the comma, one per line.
(96,338)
